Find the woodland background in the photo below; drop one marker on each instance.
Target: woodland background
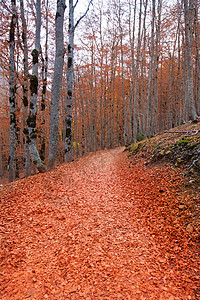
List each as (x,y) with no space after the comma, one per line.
(136,72)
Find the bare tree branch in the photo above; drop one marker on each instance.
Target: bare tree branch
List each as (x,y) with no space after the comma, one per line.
(18,36)
(83,14)
(190,132)
(75,4)
(6,7)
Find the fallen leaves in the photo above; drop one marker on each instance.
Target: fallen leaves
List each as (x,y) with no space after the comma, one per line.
(98,228)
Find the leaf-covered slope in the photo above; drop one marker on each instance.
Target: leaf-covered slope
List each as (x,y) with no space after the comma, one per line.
(180,145)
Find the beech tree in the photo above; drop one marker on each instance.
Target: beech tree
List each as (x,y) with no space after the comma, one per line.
(189,20)
(150,75)
(143,110)
(27,168)
(68,149)
(44,85)
(197,60)
(136,115)
(57,80)
(31,121)
(12,98)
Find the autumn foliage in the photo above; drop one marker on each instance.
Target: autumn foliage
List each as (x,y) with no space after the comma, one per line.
(131,75)
(102,227)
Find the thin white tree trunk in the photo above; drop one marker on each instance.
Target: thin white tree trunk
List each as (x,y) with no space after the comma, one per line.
(102,101)
(76,145)
(129,115)
(142,68)
(171,106)
(84,132)
(179,95)
(136,97)
(155,71)
(124,119)
(68,148)
(185,88)
(149,91)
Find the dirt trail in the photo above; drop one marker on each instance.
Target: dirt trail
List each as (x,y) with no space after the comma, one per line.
(97,228)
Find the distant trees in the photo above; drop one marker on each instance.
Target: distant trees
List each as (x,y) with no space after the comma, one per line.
(149,58)
(68,148)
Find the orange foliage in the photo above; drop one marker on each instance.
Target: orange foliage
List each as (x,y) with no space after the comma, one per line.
(97,228)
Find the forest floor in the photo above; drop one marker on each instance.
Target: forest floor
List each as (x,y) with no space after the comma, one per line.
(106,226)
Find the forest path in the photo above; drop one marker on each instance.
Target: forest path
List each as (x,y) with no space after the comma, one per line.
(98,228)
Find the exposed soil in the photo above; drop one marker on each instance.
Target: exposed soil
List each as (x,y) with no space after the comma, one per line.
(99,228)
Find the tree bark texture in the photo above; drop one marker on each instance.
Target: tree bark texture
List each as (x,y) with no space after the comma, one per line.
(31,121)
(189,19)
(143,69)
(57,81)
(12,98)
(136,116)
(197,61)
(149,91)
(27,167)
(154,118)
(68,148)
(70,67)
(44,88)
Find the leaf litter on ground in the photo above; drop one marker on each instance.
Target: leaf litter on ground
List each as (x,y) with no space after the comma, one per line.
(99,228)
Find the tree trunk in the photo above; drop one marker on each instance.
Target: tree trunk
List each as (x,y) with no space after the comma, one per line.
(149,91)
(70,64)
(68,149)
(155,111)
(44,88)
(84,133)
(12,85)
(142,70)
(124,119)
(57,80)
(189,18)
(129,113)
(179,95)
(92,101)
(102,100)
(171,101)
(1,159)
(31,121)
(185,96)
(76,144)
(136,115)
(27,168)
(197,61)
